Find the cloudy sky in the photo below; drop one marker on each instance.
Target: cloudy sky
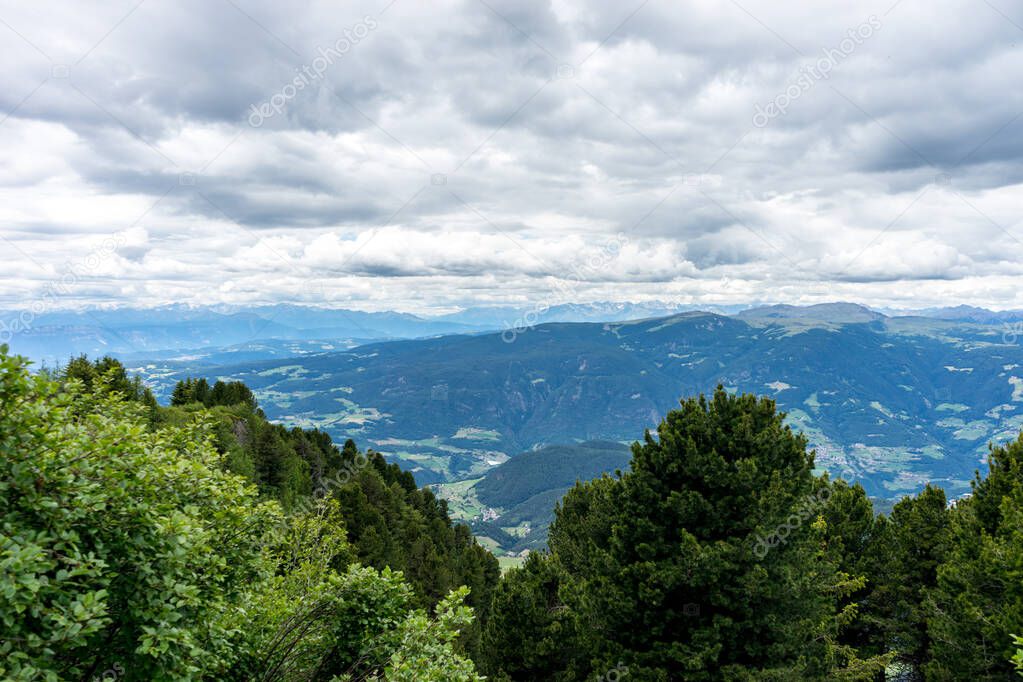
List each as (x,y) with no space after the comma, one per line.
(420,156)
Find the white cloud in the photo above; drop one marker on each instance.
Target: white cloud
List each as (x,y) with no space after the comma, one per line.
(461,153)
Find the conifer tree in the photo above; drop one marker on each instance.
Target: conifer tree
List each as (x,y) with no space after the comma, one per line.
(709,560)
(903,567)
(977,604)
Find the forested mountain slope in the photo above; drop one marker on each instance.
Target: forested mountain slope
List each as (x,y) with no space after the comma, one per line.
(512,504)
(892,402)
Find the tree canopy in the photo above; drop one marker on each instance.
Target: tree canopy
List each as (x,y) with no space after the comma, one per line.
(201,541)
(131,547)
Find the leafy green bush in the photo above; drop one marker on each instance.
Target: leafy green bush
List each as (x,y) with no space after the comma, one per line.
(130,547)
(118,544)
(313,621)
(1017,659)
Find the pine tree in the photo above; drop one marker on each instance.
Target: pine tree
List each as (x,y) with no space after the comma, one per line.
(191,391)
(531,632)
(709,560)
(977,604)
(902,567)
(854,534)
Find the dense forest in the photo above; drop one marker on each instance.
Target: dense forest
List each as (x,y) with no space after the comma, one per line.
(199,541)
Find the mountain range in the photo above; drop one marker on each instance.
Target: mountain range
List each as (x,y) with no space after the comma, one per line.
(890,401)
(132,332)
(267,331)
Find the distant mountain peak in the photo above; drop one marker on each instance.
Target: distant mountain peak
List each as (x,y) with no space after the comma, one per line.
(839,311)
(967,313)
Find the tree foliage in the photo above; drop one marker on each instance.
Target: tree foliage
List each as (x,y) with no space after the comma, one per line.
(391,522)
(120,544)
(710,559)
(128,546)
(977,603)
(200,541)
(222,393)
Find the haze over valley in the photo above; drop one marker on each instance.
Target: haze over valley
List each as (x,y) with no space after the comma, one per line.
(890,400)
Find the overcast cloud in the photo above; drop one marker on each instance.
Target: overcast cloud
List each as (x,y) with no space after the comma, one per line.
(419,156)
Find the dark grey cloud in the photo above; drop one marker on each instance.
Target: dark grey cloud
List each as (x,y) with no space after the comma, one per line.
(444,152)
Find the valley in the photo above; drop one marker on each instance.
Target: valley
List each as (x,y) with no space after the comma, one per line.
(890,402)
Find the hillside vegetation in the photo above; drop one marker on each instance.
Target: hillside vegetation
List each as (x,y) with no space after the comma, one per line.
(198,541)
(513,503)
(721,556)
(892,403)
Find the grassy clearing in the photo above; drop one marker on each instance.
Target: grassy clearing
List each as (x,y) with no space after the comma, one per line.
(473,433)
(509,562)
(463,504)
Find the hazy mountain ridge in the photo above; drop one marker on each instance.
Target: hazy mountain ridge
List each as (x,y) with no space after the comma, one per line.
(144,333)
(56,336)
(892,399)
(894,402)
(825,312)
